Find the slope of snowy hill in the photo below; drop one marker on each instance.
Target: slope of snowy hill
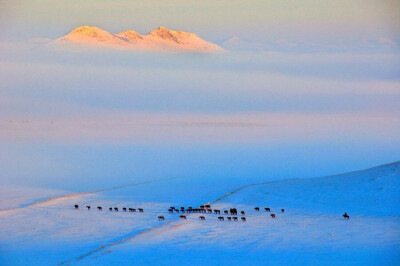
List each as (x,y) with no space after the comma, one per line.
(160,39)
(311,231)
(236,43)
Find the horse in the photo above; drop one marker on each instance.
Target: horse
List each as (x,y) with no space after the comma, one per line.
(202,218)
(229,218)
(124,209)
(242,212)
(267,209)
(220,218)
(115,209)
(100,208)
(161,218)
(226,212)
(346,216)
(272,215)
(76,207)
(217,211)
(140,210)
(235,218)
(257,209)
(207,206)
(282,210)
(233,211)
(243,219)
(132,210)
(110,209)
(209,211)
(182,217)
(88,207)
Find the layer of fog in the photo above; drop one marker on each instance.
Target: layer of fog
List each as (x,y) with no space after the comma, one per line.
(69,118)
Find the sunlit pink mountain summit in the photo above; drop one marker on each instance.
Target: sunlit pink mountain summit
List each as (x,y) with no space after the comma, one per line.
(160,39)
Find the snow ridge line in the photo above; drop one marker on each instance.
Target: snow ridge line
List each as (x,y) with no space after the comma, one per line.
(120,241)
(79,194)
(244,187)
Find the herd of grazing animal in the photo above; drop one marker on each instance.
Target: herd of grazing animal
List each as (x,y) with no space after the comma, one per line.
(207,209)
(202,209)
(124,209)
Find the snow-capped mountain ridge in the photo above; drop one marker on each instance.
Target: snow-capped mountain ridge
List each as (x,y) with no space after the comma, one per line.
(160,39)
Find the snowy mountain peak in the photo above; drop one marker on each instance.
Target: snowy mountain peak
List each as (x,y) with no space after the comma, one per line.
(160,39)
(89,31)
(90,34)
(130,35)
(234,39)
(170,35)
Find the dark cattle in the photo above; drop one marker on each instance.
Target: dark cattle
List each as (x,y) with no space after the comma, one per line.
(257,209)
(282,210)
(124,209)
(189,210)
(243,219)
(110,209)
(177,211)
(115,209)
(217,211)
(88,207)
(235,218)
(272,215)
(267,209)
(182,208)
(202,218)
(228,218)
(226,212)
(100,208)
(242,212)
(220,218)
(209,211)
(140,210)
(161,218)
(132,210)
(202,207)
(182,217)
(171,210)
(207,206)
(172,207)
(76,207)
(346,216)
(233,211)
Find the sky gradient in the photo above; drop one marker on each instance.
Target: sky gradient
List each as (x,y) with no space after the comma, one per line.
(319,93)
(339,24)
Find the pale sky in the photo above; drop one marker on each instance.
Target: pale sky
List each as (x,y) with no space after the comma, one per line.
(339,21)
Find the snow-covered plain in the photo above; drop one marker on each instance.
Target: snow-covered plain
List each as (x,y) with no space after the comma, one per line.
(41,227)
